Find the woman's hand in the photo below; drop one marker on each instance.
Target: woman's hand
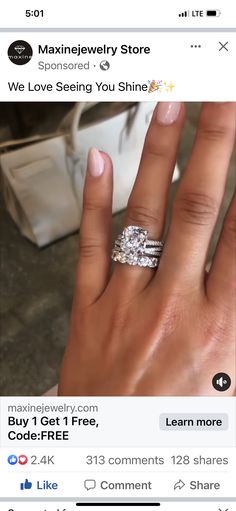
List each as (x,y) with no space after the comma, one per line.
(165,332)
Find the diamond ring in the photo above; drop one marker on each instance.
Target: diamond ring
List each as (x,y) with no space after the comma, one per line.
(133,247)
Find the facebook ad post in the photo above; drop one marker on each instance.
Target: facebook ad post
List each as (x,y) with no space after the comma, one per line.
(118,267)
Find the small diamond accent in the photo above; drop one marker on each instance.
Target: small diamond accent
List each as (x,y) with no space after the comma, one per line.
(122,258)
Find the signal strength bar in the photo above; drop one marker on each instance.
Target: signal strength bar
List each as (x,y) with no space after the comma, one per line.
(184,14)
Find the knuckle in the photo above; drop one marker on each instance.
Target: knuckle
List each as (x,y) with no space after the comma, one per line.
(218,328)
(94,205)
(159,151)
(170,311)
(89,247)
(229,232)
(196,208)
(142,215)
(212,133)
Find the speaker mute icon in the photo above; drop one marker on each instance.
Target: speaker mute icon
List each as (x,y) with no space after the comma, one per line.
(221,382)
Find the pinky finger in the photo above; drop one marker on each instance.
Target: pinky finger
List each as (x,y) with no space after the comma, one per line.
(221,283)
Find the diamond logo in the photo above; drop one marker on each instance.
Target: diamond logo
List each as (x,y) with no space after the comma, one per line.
(19,49)
(20,52)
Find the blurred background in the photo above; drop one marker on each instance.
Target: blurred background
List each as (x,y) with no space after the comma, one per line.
(36,285)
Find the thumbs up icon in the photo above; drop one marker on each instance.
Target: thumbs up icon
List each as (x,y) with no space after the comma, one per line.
(27,485)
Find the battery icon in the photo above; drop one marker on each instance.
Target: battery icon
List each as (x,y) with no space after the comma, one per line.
(213,13)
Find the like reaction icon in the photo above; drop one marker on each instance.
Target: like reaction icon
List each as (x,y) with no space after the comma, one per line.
(12,459)
(27,485)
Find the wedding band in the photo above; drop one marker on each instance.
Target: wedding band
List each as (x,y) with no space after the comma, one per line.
(134,248)
(151,243)
(155,251)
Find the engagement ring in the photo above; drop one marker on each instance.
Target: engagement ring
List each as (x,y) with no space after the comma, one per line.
(133,247)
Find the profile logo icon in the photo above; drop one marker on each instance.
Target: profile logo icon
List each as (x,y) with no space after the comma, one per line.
(20,52)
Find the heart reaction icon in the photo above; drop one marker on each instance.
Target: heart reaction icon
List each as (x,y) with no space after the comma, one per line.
(22,459)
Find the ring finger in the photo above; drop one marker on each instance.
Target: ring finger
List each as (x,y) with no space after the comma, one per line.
(147,202)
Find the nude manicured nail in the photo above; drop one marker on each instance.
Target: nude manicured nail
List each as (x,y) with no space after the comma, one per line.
(96,163)
(167,113)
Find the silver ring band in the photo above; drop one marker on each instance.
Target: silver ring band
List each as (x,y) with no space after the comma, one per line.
(155,251)
(151,243)
(151,262)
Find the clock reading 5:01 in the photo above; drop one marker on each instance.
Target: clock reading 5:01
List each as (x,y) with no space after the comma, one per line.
(36,13)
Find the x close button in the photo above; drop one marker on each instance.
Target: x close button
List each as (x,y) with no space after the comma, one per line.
(223,46)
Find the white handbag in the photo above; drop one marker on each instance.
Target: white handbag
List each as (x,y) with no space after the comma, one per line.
(43,181)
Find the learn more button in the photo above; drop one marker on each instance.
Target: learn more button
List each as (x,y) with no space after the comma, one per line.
(194,421)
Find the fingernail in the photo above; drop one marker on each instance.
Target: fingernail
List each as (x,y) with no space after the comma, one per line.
(96,163)
(168,113)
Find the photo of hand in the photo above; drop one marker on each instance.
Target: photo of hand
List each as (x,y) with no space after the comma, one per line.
(166,331)
(153,285)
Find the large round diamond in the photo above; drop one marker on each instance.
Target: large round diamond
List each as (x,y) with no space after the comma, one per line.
(133,240)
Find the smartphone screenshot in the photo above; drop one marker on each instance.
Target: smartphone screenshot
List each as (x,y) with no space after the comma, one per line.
(118,256)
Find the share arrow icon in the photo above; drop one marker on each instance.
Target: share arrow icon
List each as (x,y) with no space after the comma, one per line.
(179,485)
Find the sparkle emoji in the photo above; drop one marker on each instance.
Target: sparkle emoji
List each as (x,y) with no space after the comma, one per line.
(169,87)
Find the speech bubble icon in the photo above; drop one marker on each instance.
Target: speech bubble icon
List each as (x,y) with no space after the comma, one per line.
(90,484)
